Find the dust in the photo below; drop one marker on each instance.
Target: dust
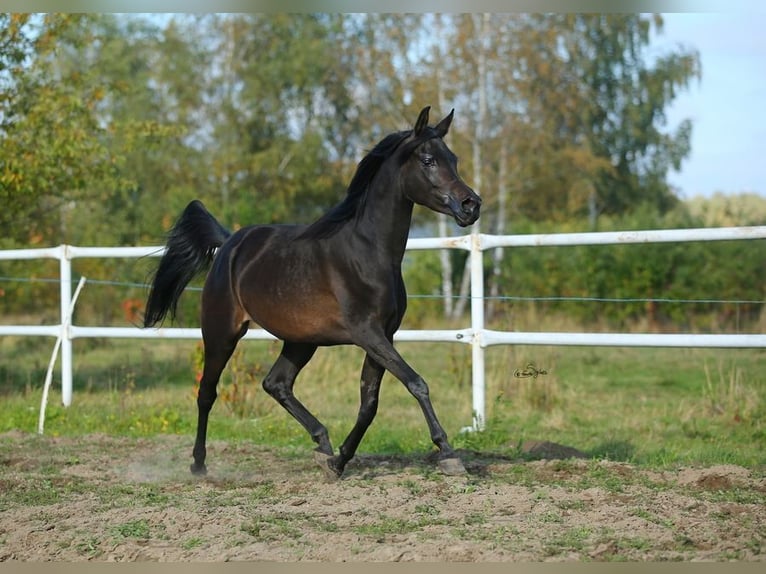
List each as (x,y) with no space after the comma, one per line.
(101,498)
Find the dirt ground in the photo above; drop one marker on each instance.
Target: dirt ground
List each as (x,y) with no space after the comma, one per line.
(118,499)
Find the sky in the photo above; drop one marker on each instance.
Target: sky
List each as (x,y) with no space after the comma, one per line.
(727,106)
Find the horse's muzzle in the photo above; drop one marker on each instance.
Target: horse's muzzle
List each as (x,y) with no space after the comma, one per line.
(467,211)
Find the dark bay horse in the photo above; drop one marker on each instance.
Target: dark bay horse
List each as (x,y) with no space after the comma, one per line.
(336,281)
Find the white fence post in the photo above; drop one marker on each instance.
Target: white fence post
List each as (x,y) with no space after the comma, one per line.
(65,265)
(52,363)
(477,327)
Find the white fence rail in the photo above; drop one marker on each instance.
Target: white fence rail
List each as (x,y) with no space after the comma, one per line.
(475,335)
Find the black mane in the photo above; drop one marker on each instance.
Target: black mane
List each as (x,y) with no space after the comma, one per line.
(347,208)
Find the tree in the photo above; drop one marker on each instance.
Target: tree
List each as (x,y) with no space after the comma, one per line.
(51,144)
(276,122)
(110,124)
(628,95)
(146,78)
(568,115)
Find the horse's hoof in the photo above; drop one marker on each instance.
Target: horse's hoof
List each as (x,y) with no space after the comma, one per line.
(198,470)
(452,466)
(325,463)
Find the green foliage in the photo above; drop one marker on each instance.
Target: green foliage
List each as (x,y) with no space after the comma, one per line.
(629,274)
(110,124)
(726,210)
(140,116)
(730,270)
(54,146)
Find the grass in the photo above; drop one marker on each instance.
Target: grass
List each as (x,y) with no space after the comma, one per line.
(132,529)
(655,407)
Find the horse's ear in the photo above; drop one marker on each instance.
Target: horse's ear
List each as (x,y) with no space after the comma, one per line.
(442,127)
(422,121)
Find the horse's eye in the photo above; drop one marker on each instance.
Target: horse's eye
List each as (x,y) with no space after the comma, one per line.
(428,161)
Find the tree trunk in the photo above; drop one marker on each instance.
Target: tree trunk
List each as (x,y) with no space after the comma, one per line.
(444,254)
(481,26)
(497,254)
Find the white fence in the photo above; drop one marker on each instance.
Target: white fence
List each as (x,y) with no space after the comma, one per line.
(475,335)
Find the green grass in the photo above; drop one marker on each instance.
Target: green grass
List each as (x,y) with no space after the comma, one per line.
(655,407)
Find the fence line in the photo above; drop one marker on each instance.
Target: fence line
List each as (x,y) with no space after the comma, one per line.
(524,298)
(476,335)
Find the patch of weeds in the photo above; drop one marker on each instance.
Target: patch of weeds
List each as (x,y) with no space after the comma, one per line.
(132,529)
(755,545)
(263,491)
(652,485)
(220,499)
(637,543)
(467,488)
(151,496)
(566,467)
(114,495)
(474,518)
(50,467)
(427,509)
(619,549)
(271,528)
(599,476)
(521,475)
(414,487)
(191,543)
(505,537)
(324,525)
(574,504)
(572,540)
(88,547)
(612,555)
(643,514)
(541,495)
(32,493)
(684,542)
(432,473)
(614,450)
(551,517)
(653,518)
(386,525)
(736,495)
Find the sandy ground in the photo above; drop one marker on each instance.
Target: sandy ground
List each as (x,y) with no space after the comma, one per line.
(117,499)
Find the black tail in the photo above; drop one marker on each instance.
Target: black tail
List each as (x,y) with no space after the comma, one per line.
(190,248)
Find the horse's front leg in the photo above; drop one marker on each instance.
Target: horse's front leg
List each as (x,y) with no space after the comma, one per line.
(372,374)
(383,352)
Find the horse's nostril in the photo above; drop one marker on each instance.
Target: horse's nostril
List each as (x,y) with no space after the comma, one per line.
(469,205)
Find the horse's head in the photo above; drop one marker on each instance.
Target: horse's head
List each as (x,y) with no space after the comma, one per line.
(431,173)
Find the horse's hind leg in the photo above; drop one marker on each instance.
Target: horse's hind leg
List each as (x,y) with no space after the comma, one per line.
(372,374)
(218,350)
(279,384)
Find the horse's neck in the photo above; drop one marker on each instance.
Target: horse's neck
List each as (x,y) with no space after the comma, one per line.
(385,219)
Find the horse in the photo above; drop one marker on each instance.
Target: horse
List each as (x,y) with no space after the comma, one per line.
(335,281)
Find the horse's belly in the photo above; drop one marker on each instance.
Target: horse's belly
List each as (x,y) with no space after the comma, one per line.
(285,288)
(302,320)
